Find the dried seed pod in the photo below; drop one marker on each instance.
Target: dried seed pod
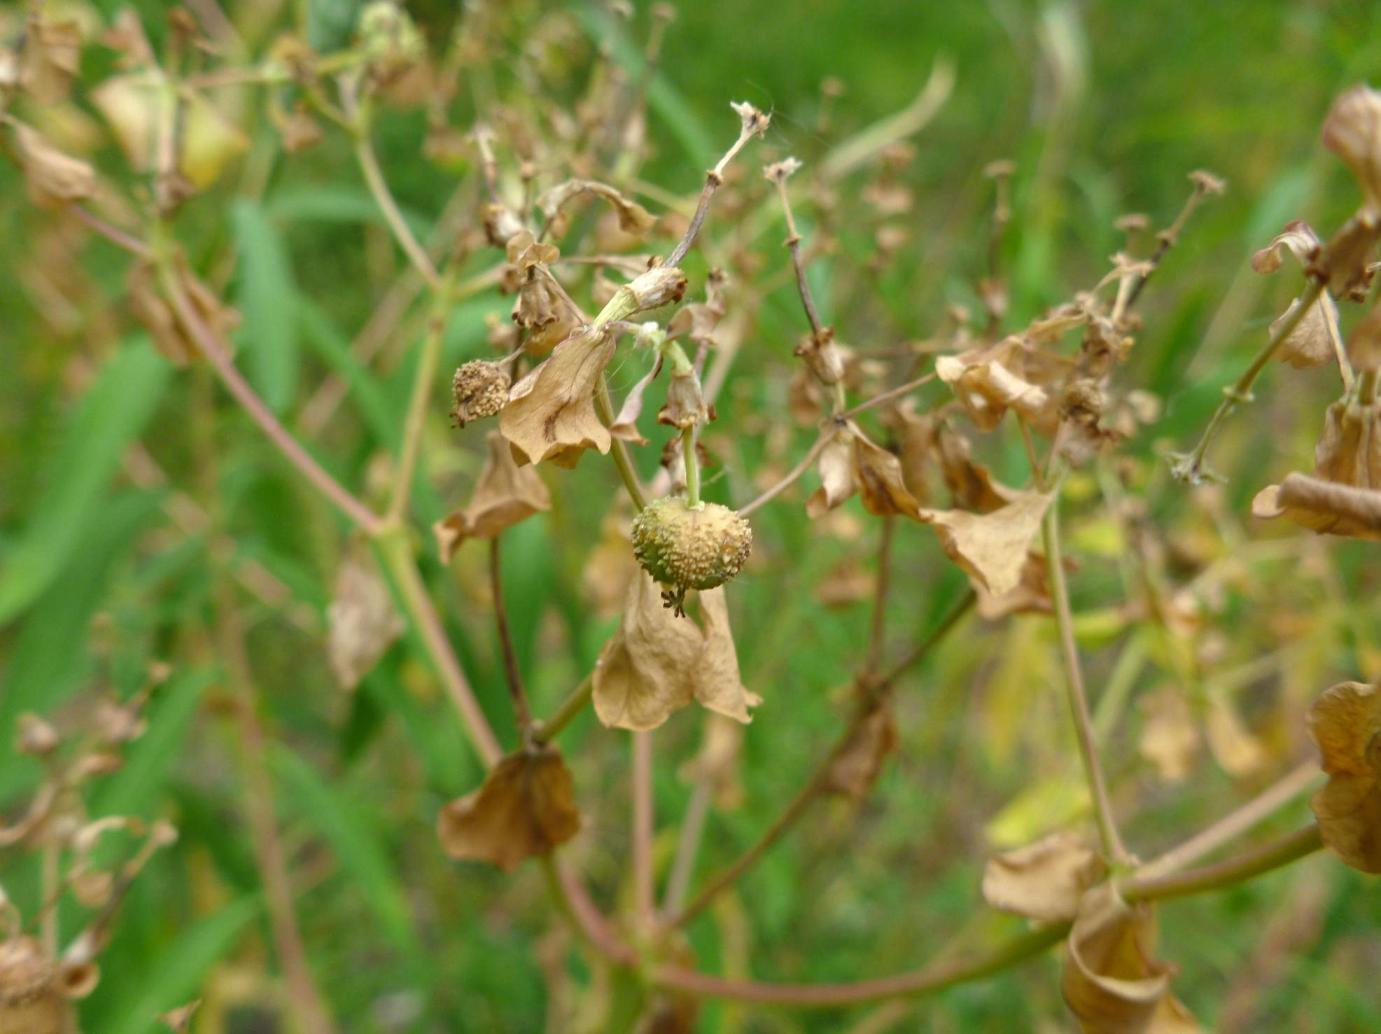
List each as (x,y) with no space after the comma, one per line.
(480,388)
(683,547)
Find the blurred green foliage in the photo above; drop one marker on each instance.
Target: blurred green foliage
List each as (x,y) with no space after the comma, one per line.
(1104,106)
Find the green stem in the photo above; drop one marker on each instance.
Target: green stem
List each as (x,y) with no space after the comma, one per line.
(618,448)
(398,558)
(427,364)
(1190,468)
(565,714)
(1074,684)
(1271,855)
(692,468)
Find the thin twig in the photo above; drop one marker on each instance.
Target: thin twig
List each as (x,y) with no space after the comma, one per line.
(887,396)
(618,448)
(819,778)
(397,554)
(120,238)
(791,478)
(754,124)
(522,714)
(688,845)
(878,627)
(415,420)
(548,730)
(644,893)
(1074,683)
(1190,467)
(1271,855)
(1235,823)
(259,411)
(778,174)
(383,197)
(1169,237)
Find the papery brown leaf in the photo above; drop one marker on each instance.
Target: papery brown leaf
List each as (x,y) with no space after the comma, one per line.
(987,387)
(1346,724)
(992,547)
(719,760)
(361,620)
(1044,880)
(657,662)
(53,178)
(1110,981)
(1170,737)
(1298,239)
(526,807)
(633,217)
(878,475)
(1315,340)
(855,767)
(179,1020)
(551,412)
(836,469)
(504,495)
(1323,506)
(1031,595)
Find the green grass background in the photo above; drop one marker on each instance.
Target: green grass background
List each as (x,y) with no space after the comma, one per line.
(1105,107)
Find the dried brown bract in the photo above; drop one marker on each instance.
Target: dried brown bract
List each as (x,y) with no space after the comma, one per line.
(1346,724)
(504,495)
(1045,880)
(525,808)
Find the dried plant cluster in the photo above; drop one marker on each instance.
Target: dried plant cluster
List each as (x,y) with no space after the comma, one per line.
(610,280)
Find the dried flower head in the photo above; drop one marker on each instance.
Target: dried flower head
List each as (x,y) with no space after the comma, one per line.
(480,389)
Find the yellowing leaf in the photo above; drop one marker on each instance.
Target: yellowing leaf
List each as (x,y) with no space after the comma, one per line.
(526,807)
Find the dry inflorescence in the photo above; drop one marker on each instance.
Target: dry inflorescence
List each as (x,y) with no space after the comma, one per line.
(600,281)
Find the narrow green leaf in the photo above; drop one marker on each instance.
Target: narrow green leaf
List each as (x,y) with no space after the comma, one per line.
(363,857)
(267,298)
(385,421)
(108,417)
(178,972)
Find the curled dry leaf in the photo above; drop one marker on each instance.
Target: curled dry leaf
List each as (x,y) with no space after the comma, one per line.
(878,475)
(362,621)
(179,1020)
(1346,724)
(987,386)
(1111,982)
(836,475)
(1030,596)
(526,807)
(992,547)
(1352,131)
(551,412)
(1343,497)
(504,495)
(855,767)
(1298,239)
(657,662)
(53,178)
(1044,880)
(633,217)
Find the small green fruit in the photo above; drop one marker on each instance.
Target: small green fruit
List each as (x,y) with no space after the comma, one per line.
(684,547)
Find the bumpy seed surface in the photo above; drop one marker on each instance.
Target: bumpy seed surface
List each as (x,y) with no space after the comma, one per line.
(688,548)
(481,390)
